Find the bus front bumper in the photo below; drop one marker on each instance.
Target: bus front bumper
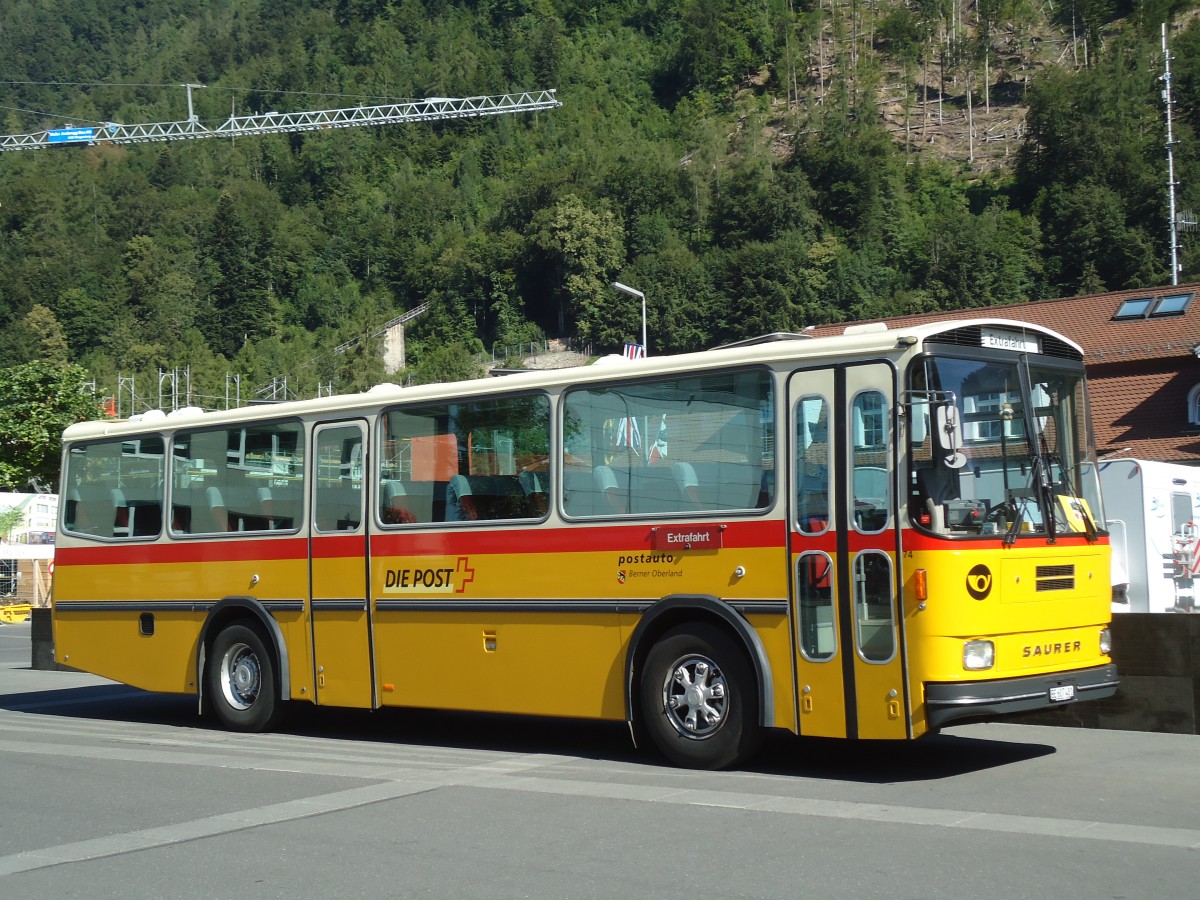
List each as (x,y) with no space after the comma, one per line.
(950,701)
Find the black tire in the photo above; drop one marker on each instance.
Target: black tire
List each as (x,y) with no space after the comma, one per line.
(699,698)
(240,680)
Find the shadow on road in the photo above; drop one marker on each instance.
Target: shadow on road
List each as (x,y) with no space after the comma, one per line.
(869,762)
(892,762)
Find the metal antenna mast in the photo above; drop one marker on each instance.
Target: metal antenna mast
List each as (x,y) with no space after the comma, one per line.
(1166,95)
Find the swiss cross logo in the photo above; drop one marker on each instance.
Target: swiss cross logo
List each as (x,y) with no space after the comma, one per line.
(465,574)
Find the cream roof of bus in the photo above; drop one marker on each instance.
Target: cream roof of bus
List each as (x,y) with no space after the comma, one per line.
(875,340)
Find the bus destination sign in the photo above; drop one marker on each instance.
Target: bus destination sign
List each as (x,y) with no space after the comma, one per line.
(994,339)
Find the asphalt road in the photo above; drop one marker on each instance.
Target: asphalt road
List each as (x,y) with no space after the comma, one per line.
(110,792)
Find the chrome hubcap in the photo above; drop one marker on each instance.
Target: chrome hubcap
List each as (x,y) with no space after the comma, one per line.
(694,696)
(241,676)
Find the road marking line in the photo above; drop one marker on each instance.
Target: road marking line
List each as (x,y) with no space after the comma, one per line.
(405,778)
(240,820)
(1188,838)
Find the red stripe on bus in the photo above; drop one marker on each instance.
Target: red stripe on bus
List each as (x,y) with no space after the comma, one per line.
(341,546)
(183,552)
(737,535)
(612,538)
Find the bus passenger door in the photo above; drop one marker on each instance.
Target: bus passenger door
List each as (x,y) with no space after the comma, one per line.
(339,609)
(812,539)
(849,660)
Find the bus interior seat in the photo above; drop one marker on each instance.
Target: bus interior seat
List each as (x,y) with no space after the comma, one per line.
(275,513)
(936,486)
(145,518)
(98,512)
(537,498)
(266,507)
(394,509)
(460,501)
(653,489)
(120,513)
(605,485)
(813,512)
(937,483)
(214,515)
(689,485)
(578,491)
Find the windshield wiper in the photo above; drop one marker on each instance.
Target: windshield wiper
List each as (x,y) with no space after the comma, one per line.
(1018,516)
(1077,502)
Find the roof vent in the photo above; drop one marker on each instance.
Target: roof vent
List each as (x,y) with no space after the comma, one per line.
(866,328)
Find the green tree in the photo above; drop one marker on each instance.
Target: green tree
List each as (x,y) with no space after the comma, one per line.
(10,518)
(449,362)
(84,318)
(240,308)
(162,294)
(38,400)
(37,336)
(585,247)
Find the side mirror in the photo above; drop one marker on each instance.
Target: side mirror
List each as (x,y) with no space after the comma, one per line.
(950,426)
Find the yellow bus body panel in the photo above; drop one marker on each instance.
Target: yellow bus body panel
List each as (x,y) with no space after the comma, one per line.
(1029,600)
(539,663)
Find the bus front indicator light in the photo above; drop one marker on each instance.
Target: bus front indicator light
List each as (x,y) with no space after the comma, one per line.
(920,587)
(978,655)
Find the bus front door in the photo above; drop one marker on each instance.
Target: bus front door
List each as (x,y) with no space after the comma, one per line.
(339,608)
(843,546)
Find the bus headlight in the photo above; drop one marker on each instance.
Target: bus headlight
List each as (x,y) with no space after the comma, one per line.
(979,655)
(1105,641)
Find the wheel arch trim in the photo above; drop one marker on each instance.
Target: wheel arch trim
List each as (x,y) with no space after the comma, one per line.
(229,609)
(677,609)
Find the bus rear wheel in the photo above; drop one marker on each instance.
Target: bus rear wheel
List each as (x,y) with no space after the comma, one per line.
(698,698)
(242,683)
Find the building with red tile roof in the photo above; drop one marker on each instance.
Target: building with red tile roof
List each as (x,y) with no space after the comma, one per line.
(1142,352)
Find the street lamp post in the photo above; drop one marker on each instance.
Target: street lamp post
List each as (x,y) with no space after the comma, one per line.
(626,289)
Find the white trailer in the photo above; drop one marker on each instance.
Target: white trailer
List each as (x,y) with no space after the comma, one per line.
(1153,514)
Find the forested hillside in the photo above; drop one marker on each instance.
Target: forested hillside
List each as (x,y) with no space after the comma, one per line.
(751,166)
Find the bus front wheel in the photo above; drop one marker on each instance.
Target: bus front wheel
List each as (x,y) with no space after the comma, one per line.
(242,683)
(698,698)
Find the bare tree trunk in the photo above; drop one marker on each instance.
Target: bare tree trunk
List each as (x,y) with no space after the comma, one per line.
(987,78)
(970,124)
(925,89)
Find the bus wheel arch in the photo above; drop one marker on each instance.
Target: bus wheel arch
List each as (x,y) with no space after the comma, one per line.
(703,630)
(242,665)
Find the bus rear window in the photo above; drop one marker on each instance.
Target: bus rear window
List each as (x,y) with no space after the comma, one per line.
(114,489)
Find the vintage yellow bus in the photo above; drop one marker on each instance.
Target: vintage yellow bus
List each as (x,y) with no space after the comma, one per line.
(863,536)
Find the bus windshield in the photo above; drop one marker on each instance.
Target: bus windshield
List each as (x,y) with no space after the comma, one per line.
(1019,460)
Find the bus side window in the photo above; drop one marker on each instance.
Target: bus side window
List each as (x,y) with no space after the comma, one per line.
(483,460)
(669,445)
(818,637)
(812,464)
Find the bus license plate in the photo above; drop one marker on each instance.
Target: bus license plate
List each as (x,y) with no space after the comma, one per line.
(1062,692)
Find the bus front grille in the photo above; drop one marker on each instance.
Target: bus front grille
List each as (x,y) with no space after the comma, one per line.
(1055,578)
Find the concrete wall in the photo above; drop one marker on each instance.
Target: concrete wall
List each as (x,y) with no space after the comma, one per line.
(1158,659)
